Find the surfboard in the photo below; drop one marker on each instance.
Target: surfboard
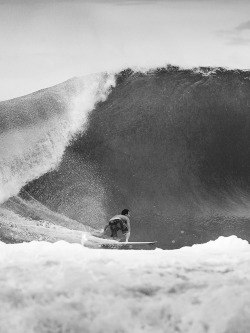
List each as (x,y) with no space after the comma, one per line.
(123,245)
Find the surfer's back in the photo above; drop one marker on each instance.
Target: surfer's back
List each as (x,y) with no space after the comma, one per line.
(120,217)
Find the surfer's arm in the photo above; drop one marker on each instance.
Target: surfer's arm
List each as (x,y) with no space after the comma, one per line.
(127,235)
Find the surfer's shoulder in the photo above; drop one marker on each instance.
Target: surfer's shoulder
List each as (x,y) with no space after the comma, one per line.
(120,217)
(125,218)
(116,217)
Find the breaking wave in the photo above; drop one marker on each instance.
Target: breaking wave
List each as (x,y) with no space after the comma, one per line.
(172,145)
(35,129)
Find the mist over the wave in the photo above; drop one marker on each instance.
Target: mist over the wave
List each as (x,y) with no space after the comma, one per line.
(171,145)
(35,129)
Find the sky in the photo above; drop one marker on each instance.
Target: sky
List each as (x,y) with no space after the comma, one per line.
(45,42)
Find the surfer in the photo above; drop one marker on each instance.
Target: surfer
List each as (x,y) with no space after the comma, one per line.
(120,222)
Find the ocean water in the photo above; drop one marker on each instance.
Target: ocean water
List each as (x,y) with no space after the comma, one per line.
(171,145)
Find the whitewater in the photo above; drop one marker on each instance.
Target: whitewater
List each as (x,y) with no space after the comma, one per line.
(64,287)
(171,145)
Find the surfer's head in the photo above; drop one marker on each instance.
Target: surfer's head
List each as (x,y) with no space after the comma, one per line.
(125,212)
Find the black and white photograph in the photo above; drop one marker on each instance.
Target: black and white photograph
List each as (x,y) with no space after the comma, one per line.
(124,166)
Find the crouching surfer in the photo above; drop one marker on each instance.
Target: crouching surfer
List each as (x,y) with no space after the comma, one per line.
(119,222)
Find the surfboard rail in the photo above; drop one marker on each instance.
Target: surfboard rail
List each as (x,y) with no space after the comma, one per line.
(124,245)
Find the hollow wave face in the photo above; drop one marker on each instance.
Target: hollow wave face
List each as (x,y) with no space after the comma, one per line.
(171,145)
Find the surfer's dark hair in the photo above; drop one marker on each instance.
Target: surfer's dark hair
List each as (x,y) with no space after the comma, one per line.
(125,211)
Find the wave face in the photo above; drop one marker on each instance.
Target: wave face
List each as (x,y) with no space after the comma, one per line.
(171,145)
